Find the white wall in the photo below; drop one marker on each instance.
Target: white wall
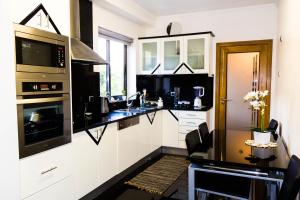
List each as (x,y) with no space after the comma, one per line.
(9,171)
(288,82)
(59,10)
(229,25)
(116,23)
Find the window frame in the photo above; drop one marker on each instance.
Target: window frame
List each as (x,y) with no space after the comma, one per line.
(108,69)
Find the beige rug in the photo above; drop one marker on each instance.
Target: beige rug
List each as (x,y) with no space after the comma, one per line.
(158,177)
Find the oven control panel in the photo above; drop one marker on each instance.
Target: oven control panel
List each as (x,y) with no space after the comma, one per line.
(41,86)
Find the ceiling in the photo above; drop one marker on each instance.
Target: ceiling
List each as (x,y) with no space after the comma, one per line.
(169,7)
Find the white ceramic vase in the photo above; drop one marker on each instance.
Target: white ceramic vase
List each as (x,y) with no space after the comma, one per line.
(261,137)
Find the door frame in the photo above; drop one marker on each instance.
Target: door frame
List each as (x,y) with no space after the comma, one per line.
(264,47)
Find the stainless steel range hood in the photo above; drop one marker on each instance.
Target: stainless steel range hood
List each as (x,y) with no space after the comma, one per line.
(80,52)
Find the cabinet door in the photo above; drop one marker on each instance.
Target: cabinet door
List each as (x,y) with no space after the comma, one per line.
(61,190)
(108,154)
(170,129)
(127,147)
(41,170)
(196,52)
(156,131)
(86,163)
(149,52)
(172,54)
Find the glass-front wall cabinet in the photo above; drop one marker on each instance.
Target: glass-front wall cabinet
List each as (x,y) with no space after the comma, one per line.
(197,53)
(172,54)
(149,55)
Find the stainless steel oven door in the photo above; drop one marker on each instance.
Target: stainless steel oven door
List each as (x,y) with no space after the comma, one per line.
(43,123)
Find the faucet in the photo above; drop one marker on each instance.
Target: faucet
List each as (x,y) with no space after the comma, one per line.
(129,104)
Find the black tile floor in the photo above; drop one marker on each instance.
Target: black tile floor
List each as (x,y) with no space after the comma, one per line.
(120,191)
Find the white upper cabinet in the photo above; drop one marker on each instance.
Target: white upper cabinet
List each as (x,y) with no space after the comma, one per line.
(197,53)
(149,56)
(172,54)
(179,54)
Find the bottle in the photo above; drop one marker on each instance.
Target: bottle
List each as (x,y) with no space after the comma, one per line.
(160,103)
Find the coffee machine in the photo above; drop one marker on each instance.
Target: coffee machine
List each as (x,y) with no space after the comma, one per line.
(198,93)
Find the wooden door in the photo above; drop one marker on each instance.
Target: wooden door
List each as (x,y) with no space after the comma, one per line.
(264,48)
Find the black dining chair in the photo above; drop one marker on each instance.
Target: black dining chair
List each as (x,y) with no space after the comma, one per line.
(204,133)
(273,127)
(291,182)
(194,144)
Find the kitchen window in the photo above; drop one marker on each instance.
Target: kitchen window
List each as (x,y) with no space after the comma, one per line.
(113,77)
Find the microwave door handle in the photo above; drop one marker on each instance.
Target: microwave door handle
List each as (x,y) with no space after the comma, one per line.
(40,100)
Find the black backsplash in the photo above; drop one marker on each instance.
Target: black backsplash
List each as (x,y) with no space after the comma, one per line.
(163,85)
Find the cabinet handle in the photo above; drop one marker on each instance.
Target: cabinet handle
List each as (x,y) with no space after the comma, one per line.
(192,115)
(191,122)
(49,170)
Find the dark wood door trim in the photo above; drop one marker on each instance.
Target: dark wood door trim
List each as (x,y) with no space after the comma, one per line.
(264,47)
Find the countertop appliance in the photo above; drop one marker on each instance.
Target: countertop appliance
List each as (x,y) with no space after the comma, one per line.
(41,51)
(198,92)
(104,105)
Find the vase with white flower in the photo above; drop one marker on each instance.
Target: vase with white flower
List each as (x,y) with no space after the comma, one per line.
(257,100)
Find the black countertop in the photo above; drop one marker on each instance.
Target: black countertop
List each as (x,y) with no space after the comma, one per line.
(115,116)
(228,148)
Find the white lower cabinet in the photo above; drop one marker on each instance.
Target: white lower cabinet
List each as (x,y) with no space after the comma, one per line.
(94,164)
(189,121)
(174,131)
(42,170)
(73,170)
(62,190)
(170,129)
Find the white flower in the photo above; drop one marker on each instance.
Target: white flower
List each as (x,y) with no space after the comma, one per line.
(265,93)
(250,95)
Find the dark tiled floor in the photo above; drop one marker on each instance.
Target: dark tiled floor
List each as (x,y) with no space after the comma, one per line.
(120,191)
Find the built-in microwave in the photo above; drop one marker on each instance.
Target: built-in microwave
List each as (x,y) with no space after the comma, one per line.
(40,51)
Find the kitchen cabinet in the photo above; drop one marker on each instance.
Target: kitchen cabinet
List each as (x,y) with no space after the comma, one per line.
(194,51)
(197,52)
(172,54)
(94,164)
(170,129)
(128,147)
(174,131)
(86,163)
(42,170)
(136,142)
(149,56)
(61,190)
(189,121)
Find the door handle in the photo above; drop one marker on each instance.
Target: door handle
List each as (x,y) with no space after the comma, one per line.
(224,100)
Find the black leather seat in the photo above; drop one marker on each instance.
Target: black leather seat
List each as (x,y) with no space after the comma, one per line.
(194,144)
(273,127)
(291,182)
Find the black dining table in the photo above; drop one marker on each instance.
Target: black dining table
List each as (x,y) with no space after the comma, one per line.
(227,153)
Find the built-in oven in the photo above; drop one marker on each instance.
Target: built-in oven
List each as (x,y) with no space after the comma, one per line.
(40,51)
(44,120)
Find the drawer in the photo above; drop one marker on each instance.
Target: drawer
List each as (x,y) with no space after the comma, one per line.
(191,122)
(181,136)
(186,129)
(192,114)
(44,169)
